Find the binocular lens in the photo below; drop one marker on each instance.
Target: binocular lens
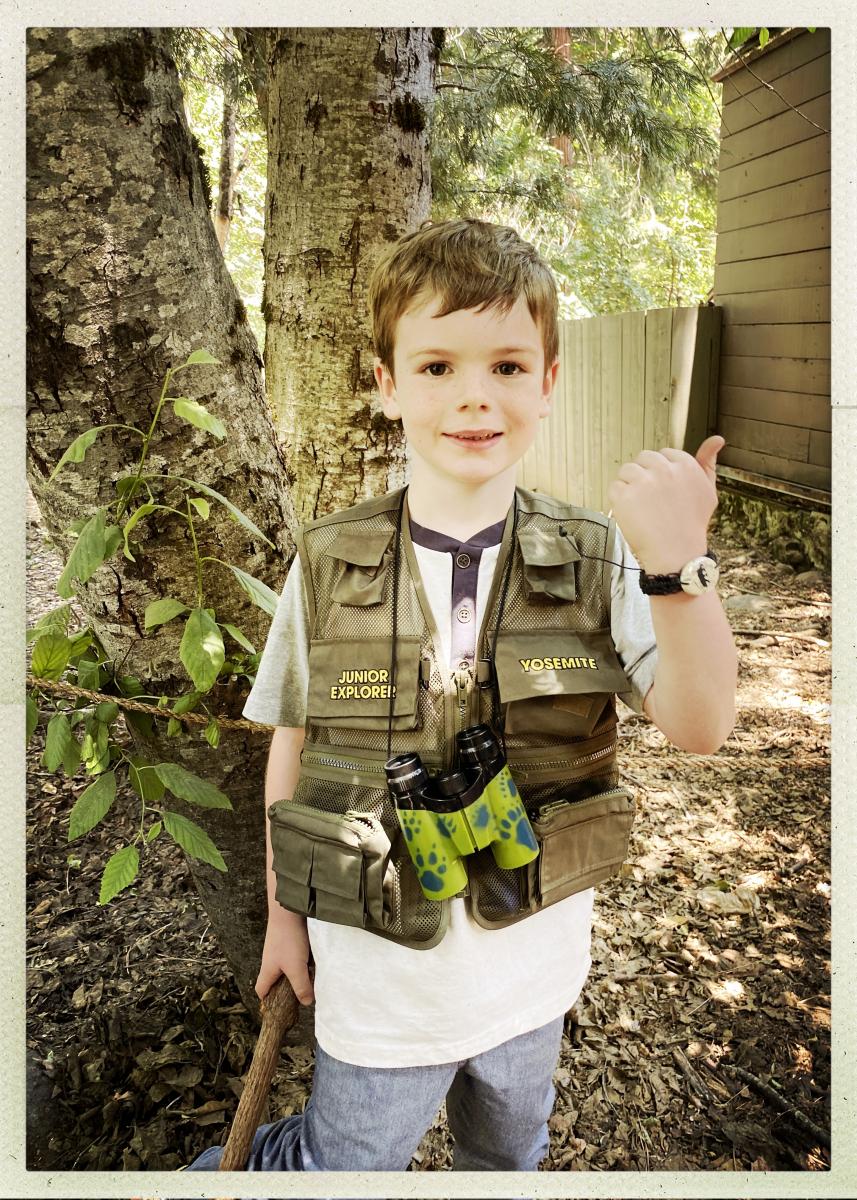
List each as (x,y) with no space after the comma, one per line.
(476,745)
(405,773)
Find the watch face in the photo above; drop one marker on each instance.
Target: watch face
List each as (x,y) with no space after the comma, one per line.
(699,575)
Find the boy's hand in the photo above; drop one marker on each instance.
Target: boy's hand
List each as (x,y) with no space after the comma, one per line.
(286,952)
(663,501)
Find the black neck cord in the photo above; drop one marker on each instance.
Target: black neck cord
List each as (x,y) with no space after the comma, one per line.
(392,679)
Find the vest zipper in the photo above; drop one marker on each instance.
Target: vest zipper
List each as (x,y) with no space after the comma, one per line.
(525,768)
(462,680)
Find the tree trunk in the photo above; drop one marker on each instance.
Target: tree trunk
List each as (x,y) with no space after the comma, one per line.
(124,279)
(229,172)
(348,172)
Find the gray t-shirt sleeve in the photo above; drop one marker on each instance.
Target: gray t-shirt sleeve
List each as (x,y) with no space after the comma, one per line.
(278,697)
(631,625)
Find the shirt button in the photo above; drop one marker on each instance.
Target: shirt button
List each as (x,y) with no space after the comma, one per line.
(464,615)
(463,560)
(464,664)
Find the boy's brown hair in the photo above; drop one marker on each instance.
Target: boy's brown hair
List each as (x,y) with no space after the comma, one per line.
(465,263)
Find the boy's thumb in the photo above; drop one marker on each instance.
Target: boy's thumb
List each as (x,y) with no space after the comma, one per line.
(707,453)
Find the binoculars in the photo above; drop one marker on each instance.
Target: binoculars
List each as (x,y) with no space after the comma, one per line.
(455,813)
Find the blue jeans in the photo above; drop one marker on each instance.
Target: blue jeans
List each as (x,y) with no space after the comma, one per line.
(373,1118)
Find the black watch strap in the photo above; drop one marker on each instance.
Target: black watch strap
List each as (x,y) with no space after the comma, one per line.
(666,585)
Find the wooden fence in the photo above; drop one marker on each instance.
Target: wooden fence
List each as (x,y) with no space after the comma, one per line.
(627,382)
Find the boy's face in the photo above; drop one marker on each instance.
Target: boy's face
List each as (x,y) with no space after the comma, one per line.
(470,389)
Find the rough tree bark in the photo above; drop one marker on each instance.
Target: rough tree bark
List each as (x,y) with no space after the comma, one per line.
(125,278)
(348,115)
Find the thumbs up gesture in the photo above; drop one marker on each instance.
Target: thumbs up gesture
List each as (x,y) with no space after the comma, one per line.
(663,502)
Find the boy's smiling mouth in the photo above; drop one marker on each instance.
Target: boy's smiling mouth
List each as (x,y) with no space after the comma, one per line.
(475,436)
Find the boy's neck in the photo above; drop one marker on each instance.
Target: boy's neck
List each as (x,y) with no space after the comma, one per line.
(457,509)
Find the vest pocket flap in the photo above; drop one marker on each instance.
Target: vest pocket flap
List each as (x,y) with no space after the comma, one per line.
(337,870)
(581,843)
(360,549)
(350,682)
(553,662)
(548,564)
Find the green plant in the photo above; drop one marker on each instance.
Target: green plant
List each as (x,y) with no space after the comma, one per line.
(76,664)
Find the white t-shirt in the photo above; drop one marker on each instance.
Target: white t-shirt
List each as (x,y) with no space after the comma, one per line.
(380,1004)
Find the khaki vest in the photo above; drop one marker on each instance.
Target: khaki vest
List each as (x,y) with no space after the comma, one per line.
(339,853)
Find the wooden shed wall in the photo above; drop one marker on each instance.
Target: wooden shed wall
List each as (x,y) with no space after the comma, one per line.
(772,272)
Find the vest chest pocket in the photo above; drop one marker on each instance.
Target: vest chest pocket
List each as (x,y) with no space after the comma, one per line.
(580,844)
(363,562)
(331,867)
(549,566)
(350,682)
(557,681)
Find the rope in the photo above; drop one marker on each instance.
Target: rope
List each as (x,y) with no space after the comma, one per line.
(189,718)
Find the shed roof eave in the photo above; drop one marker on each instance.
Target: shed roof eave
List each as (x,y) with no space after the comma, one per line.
(736,62)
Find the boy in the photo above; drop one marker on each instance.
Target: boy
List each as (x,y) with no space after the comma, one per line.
(408,618)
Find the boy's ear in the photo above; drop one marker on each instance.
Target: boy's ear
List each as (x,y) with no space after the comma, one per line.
(548,385)
(387,390)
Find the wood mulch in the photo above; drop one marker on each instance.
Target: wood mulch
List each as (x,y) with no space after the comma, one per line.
(701,1040)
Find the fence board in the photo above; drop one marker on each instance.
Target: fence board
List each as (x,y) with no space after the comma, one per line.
(633,383)
(783,440)
(790,128)
(611,402)
(771,66)
(819,449)
(808,268)
(656,415)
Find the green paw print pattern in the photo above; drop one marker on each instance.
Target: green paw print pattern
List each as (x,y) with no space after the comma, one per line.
(515,823)
(431,870)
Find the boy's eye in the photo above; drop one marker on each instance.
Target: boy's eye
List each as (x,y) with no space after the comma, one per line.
(516,368)
(429,369)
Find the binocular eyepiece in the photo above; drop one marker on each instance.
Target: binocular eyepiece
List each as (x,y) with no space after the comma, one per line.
(452,814)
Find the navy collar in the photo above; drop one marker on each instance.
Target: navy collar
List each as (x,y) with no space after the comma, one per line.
(432,540)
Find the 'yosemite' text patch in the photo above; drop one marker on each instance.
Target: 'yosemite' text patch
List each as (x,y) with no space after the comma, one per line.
(558,664)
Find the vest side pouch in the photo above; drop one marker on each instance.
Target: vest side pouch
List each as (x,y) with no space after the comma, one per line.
(557,681)
(329,866)
(349,682)
(580,844)
(364,559)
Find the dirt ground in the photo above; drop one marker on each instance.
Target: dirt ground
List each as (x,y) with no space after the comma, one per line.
(701,1040)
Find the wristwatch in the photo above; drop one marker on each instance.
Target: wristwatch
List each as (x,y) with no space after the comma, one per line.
(696,577)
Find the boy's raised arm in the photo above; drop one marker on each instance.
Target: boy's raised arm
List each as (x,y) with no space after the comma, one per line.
(663,502)
(286,949)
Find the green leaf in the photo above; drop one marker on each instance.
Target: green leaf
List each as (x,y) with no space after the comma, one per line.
(71,758)
(55,621)
(57,738)
(92,805)
(95,753)
(764,35)
(50,656)
(79,643)
(187,703)
(199,356)
(201,649)
(195,414)
(201,506)
(193,840)
(89,674)
(121,870)
(235,512)
(153,831)
(145,780)
(190,787)
(261,595)
(87,554)
(740,35)
(161,611)
(130,685)
(107,711)
(239,637)
(112,540)
(212,733)
(137,515)
(76,452)
(174,727)
(32,715)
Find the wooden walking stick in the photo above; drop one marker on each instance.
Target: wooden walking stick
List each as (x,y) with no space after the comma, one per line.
(279,1012)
